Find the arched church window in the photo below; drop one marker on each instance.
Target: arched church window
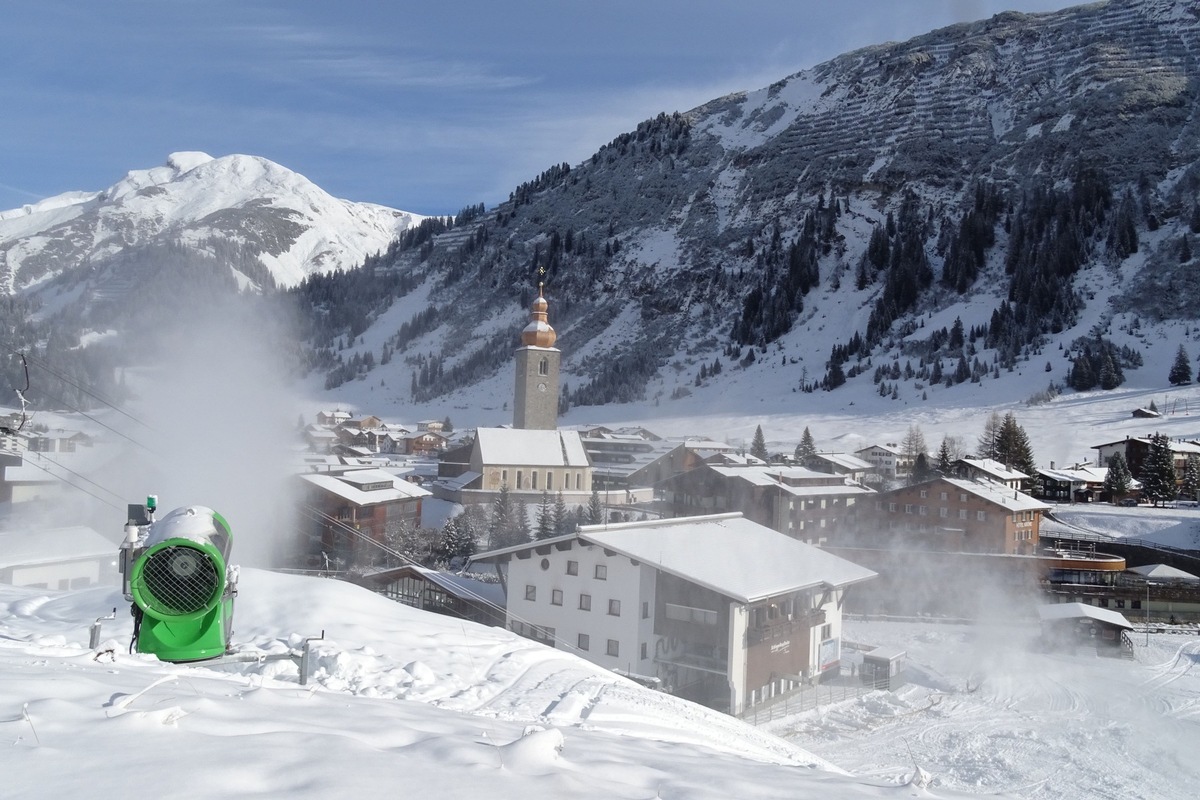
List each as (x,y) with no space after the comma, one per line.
(544,367)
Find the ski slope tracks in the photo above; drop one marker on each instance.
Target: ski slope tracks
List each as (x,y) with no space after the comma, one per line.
(400,701)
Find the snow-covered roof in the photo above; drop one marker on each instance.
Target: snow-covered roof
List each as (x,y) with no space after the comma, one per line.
(1163,572)
(460,482)
(993,468)
(520,447)
(1176,446)
(846,461)
(759,476)
(794,480)
(21,548)
(728,554)
(890,448)
(1076,475)
(825,491)
(1058,611)
(1010,499)
(347,486)
(462,586)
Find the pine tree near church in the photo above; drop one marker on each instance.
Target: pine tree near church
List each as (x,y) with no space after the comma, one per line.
(545,518)
(563,524)
(595,511)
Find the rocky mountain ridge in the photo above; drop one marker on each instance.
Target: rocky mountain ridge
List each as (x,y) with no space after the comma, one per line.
(988,198)
(1042,170)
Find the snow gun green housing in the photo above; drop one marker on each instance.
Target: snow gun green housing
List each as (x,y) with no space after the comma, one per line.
(177,575)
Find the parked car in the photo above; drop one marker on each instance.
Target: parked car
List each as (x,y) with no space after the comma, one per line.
(1128,502)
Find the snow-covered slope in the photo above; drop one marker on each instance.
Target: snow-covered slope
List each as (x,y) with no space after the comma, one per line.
(747,231)
(234,204)
(401,701)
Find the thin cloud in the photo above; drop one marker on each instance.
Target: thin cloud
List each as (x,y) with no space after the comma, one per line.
(409,74)
(323,55)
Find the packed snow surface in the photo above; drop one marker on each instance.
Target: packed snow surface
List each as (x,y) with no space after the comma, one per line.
(398,698)
(454,710)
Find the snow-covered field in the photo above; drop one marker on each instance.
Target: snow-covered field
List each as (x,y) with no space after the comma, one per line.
(400,702)
(987,714)
(406,701)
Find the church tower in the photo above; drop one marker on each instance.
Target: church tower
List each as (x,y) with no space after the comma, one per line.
(535,400)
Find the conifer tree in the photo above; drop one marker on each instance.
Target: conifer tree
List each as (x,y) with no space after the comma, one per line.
(921,470)
(1181,370)
(521,531)
(456,545)
(595,511)
(504,529)
(807,447)
(1013,448)
(545,518)
(1158,471)
(758,447)
(944,461)
(990,438)
(562,518)
(1118,479)
(1191,478)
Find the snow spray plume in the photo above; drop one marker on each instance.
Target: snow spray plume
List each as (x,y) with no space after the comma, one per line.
(214,395)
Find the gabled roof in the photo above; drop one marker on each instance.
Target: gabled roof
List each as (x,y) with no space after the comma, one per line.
(993,468)
(520,447)
(1176,446)
(890,448)
(796,480)
(347,486)
(1080,475)
(999,494)
(1163,572)
(846,461)
(729,554)
(1057,611)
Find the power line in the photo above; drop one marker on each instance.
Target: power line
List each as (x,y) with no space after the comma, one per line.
(73,485)
(315,513)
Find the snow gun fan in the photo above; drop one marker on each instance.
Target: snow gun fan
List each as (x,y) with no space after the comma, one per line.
(177,576)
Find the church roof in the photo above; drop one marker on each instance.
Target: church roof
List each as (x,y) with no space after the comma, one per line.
(520,447)
(538,332)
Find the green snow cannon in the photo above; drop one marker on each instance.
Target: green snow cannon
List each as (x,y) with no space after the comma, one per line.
(178,577)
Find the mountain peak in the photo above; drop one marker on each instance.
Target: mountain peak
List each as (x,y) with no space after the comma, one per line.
(264,211)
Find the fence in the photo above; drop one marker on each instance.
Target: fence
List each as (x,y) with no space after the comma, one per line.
(806,698)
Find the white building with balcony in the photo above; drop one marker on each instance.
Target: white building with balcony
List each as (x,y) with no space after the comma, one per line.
(720,609)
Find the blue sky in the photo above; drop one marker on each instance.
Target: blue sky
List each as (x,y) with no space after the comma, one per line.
(424,107)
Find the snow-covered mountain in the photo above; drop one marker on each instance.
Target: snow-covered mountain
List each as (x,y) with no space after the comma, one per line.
(1034,176)
(247,209)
